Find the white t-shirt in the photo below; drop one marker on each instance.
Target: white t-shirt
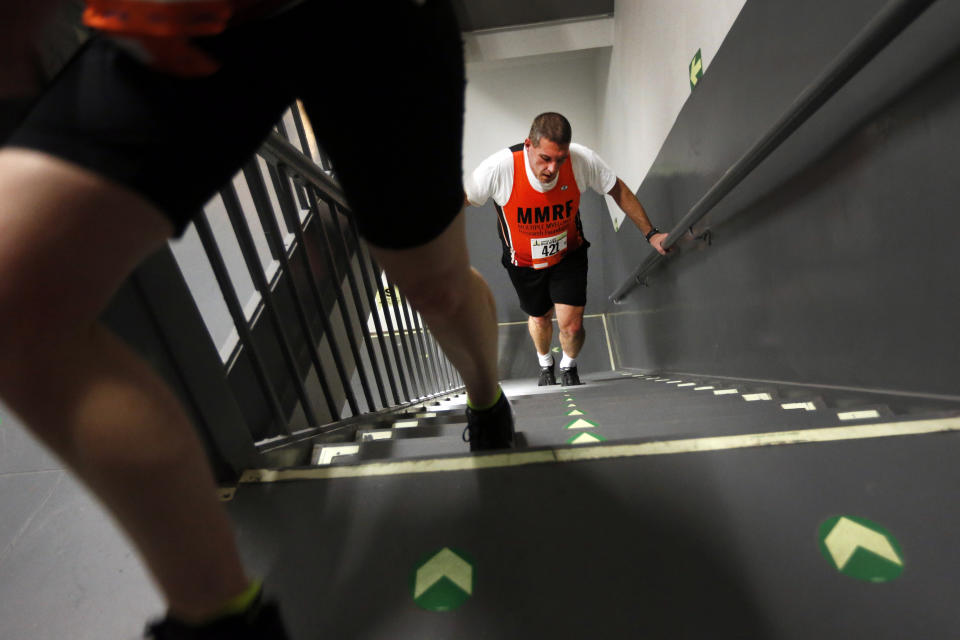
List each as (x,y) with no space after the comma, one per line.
(493,178)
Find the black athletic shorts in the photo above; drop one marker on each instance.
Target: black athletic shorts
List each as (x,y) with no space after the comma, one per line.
(564,282)
(382,82)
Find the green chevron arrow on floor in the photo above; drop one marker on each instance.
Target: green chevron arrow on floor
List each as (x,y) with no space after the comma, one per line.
(443,581)
(860,549)
(586,438)
(574,412)
(581,423)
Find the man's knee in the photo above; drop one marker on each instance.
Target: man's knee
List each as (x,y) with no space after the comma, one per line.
(571,326)
(542,322)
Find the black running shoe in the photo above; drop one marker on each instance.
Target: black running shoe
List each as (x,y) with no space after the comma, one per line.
(491,428)
(547,377)
(260,622)
(569,377)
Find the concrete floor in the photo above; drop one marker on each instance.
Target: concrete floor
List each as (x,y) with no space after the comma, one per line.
(716,544)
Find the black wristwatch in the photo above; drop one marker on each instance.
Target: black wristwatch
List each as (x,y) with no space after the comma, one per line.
(653,231)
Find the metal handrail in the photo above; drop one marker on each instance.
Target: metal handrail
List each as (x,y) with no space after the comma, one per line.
(886,25)
(278,151)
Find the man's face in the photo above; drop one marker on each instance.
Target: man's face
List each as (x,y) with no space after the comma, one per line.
(546,158)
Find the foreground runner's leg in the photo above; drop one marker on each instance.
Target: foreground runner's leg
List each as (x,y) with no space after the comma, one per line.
(456,303)
(68,238)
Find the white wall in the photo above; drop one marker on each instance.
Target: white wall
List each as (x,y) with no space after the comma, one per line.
(504,96)
(646,82)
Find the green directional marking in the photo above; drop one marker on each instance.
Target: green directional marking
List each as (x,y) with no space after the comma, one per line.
(695,69)
(574,412)
(443,580)
(585,438)
(581,423)
(861,549)
(555,349)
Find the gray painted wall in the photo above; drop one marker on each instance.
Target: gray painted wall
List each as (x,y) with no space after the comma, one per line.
(833,263)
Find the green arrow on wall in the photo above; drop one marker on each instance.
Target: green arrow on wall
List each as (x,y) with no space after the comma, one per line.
(696,70)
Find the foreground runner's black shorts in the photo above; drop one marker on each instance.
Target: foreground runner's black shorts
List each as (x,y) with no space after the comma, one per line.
(564,283)
(383,85)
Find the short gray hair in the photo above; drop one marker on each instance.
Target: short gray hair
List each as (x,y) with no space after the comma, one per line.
(551,126)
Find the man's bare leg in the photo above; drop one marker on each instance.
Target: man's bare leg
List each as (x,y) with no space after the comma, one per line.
(67,240)
(570,320)
(456,303)
(541,331)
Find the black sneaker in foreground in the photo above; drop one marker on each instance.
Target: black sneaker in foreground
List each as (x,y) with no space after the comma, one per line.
(547,377)
(569,377)
(260,622)
(491,428)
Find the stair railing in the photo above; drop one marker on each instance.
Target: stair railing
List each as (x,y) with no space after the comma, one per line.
(320,340)
(886,25)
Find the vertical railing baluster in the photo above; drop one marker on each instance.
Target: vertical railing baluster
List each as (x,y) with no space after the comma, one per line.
(428,367)
(258,190)
(438,358)
(358,304)
(249,250)
(235,308)
(414,347)
(372,302)
(404,341)
(282,188)
(388,316)
(338,291)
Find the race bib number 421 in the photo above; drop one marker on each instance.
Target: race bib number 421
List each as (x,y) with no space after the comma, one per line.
(541,248)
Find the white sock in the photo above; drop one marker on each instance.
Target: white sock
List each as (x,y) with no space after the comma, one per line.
(546,360)
(566,362)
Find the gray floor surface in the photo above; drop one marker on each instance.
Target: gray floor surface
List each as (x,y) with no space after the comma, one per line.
(718,544)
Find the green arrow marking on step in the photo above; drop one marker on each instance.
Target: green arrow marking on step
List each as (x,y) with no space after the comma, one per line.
(574,412)
(443,581)
(696,70)
(585,438)
(581,423)
(861,549)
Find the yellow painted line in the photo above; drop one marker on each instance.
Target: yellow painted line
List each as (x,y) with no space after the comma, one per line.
(377,435)
(859,415)
(753,397)
(600,452)
(325,455)
(807,406)
(606,333)
(403,424)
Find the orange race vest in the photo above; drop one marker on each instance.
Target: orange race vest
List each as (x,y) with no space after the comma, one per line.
(539,229)
(160,30)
